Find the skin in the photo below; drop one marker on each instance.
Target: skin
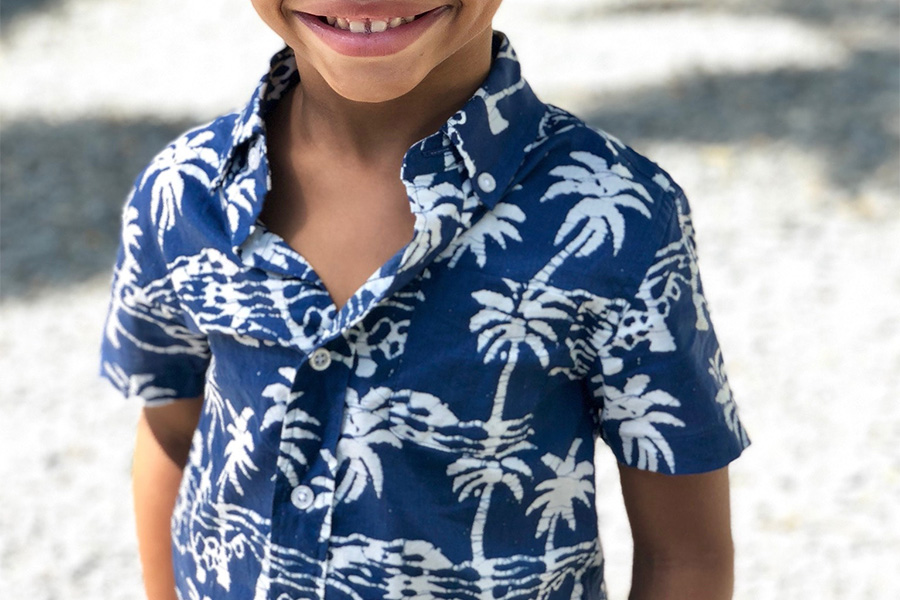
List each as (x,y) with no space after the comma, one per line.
(337,142)
(336,145)
(681,525)
(160,452)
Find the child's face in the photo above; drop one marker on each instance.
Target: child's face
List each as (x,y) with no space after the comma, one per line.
(367,51)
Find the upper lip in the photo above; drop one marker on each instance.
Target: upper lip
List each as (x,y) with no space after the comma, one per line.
(378,9)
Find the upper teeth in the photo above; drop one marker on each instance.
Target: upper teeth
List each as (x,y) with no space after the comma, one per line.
(368,25)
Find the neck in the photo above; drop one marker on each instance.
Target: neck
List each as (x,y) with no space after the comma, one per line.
(382,132)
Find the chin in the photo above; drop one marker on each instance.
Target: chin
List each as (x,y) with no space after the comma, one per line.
(372,87)
(374,94)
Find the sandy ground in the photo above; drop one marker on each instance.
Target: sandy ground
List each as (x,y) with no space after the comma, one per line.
(781,118)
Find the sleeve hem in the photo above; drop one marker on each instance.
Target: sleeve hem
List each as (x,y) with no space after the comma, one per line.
(708,450)
(142,388)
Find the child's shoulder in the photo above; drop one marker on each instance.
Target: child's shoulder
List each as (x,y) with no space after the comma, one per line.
(615,206)
(180,182)
(199,153)
(600,154)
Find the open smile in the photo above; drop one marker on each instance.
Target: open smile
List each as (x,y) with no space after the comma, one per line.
(370,35)
(356,25)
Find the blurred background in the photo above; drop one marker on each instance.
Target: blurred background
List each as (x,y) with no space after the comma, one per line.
(780,118)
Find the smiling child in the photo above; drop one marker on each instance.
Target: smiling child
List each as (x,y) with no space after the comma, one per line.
(379,317)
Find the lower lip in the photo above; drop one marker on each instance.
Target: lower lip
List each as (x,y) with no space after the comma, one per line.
(385,43)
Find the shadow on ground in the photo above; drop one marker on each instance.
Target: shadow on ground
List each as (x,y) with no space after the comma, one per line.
(63,187)
(11,10)
(846,116)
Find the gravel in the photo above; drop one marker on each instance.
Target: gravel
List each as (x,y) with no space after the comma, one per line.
(781,119)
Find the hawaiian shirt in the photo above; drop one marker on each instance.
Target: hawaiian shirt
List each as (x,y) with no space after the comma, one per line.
(433,437)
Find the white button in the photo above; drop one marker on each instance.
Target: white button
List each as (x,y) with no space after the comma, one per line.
(302,497)
(487,183)
(320,359)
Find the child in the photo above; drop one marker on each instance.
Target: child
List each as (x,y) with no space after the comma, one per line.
(378,318)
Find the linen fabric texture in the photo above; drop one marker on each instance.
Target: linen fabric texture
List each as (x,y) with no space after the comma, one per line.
(434,437)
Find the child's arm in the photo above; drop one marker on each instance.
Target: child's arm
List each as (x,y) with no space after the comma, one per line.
(681,526)
(161,449)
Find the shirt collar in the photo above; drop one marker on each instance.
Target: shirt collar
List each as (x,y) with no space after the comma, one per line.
(489,135)
(249,125)
(492,131)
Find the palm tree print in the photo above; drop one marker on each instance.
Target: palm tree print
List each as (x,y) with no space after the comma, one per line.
(238,451)
(138,385)
(478,476)
(281,395)
(433,206)
(573,482)
(725,398)
(506,322)
(604,191)
(169,170)
(498,225)
(297,427)
(213,403)
(362,430)
(632,407)
(296,423)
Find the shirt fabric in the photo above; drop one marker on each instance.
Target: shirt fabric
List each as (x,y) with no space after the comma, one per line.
(434,437)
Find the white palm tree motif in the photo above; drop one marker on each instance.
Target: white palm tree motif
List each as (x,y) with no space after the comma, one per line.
(632,407)
(604,191)
(497,224)
(131,245)
(433,206)
(295,423)
(508,321)
(362,430)
(725,399)
(138,385)
(573,482)
(238,451)
(169,170)
(214,402)
(478,476)
(281,395)
(242,197)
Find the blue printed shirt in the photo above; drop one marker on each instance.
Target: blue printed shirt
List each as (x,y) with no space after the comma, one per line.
(433,437)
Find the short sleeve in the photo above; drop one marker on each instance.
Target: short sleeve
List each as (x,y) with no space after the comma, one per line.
(150,349)
(659,385)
